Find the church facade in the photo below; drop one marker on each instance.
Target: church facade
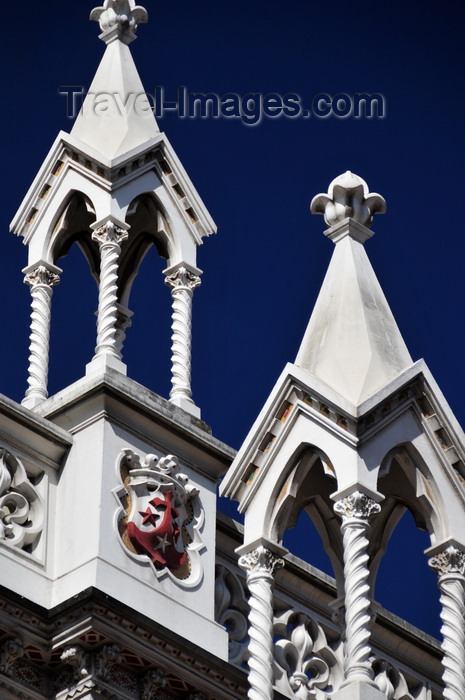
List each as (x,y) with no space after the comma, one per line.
(149,592)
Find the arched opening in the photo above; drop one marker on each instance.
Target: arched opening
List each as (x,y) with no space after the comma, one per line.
(146,350)
(409,517)
(75,298)
(305,542)
(73,321)
(405,584)
(304,519)
(141,288)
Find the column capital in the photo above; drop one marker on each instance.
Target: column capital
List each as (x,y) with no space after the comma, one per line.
(42,273)
(357,505)
(260,561)
(107,232)
(183,277)
(450,560)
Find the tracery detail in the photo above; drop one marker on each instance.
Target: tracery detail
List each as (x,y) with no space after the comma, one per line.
(160,517)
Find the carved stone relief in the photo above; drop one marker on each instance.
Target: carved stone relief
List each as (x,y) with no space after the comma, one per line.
(160,517)
(306,667)
(231,610)
(21,509)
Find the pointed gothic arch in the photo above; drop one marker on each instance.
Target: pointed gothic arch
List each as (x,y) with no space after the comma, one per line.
(306,485)
(149,225)
(72,224)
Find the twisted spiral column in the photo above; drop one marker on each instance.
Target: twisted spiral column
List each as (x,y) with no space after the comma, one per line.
(122,323)
(450,566)
(356,511)
(109,236)
(182,283)
(41,280)
(260,565)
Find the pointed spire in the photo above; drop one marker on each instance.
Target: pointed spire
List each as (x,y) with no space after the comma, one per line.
(116,116)
(352,341)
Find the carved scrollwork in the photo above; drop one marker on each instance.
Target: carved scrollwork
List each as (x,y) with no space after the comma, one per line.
(306,666)
(21,512)
(231,611)
(390,681)
(160,516)
(108,656)
(10,651)
(151,684)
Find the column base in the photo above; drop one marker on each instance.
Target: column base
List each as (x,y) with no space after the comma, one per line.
(187,405)
(32,400)
(100,363)
(357,690)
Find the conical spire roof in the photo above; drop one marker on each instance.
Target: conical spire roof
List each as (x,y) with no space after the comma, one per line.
(116,116)
(352,341)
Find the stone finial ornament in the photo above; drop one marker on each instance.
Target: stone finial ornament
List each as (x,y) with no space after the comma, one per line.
(348,196)
(120,15)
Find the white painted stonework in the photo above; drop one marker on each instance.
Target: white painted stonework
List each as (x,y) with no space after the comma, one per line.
(119,578)
(352,412)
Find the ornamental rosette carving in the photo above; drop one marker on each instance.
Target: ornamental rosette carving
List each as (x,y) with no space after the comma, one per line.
(231,609)
(21,510)
(450,561)
(307,667)
(357,505)
(160,517)
(348,196)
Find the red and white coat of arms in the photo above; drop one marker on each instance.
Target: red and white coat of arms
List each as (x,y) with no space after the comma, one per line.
(162,515)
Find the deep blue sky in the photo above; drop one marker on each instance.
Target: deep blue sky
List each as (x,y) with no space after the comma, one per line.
(263,270)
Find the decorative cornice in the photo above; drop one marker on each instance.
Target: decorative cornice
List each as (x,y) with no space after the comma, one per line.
(357,505)
(449,561)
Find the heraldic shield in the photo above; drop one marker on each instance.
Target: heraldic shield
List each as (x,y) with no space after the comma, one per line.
(162,515)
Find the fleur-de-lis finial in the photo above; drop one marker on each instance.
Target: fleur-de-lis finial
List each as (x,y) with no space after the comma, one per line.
(348,196)
(119,19)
